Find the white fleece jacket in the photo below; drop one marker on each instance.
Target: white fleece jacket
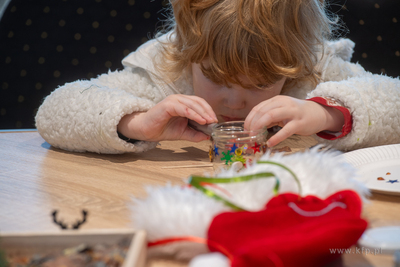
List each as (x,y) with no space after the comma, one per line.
(83,115)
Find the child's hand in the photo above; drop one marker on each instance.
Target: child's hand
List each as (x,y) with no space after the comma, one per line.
(168,120)
(295,116)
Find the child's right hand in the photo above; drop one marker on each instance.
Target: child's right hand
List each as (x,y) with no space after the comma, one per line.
(168,120)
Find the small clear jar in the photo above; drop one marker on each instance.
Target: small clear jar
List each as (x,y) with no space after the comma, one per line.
(233,146)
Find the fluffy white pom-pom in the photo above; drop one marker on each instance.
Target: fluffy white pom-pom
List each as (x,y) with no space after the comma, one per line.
(210,260)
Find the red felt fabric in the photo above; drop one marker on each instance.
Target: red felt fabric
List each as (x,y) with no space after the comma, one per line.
(280,236)
(348,120)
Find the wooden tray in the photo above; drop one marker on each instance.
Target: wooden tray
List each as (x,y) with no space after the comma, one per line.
(44,242)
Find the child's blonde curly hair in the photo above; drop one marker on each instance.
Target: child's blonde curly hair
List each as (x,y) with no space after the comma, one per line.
(265,40)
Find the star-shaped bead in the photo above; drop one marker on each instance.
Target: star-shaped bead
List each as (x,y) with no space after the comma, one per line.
(233,148)
(393,181)
(227,157)
(216,150)
(256,147)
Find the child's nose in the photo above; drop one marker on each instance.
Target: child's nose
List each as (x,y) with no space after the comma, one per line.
(234,99)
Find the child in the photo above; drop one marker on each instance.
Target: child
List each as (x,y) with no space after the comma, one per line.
(229,60)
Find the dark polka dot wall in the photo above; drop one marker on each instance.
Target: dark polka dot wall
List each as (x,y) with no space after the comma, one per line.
(374,25)
(46,43)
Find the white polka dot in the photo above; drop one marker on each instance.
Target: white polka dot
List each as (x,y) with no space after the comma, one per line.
(75,62)
(108,64)
(128,27)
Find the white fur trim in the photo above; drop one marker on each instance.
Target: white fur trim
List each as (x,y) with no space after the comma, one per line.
(174,211)
(214,259)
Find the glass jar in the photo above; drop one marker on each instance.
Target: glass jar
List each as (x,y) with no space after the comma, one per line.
(233,146)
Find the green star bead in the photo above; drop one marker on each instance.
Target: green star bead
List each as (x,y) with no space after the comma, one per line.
(227,157)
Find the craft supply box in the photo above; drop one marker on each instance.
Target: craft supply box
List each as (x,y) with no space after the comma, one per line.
(44,242)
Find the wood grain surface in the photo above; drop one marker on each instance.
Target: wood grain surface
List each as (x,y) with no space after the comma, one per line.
(36,179)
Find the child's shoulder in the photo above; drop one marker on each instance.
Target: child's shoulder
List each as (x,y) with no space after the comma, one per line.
(143,56)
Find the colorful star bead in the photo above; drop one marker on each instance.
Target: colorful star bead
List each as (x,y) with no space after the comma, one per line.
(236,158)
(256,147)
(216,150)
(227,157)
(393,181)
(211,154)
(233,148)
(238,152)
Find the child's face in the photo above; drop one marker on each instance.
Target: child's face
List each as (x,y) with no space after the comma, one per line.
(234,103)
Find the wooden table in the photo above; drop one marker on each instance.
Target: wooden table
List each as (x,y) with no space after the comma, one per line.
(36,179)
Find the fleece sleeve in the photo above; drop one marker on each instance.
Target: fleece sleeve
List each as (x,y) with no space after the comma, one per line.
(83,115)
(373,101)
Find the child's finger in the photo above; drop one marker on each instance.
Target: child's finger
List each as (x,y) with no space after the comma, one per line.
(203,103)
(288,130)
(270,118)
(181,110)
(193,135)
(203,109)
(257,112)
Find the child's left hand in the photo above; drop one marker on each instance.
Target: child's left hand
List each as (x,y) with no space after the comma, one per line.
(295,116)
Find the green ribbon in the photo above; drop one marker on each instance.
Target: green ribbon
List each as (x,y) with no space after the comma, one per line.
(196,181)
(286,168)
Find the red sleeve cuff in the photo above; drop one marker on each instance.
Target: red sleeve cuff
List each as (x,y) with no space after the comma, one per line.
(348,121)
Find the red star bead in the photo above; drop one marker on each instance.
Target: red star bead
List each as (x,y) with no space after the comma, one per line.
(256,148)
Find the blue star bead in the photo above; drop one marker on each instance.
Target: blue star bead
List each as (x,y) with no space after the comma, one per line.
(233,149)
(393,181)
(216,150)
